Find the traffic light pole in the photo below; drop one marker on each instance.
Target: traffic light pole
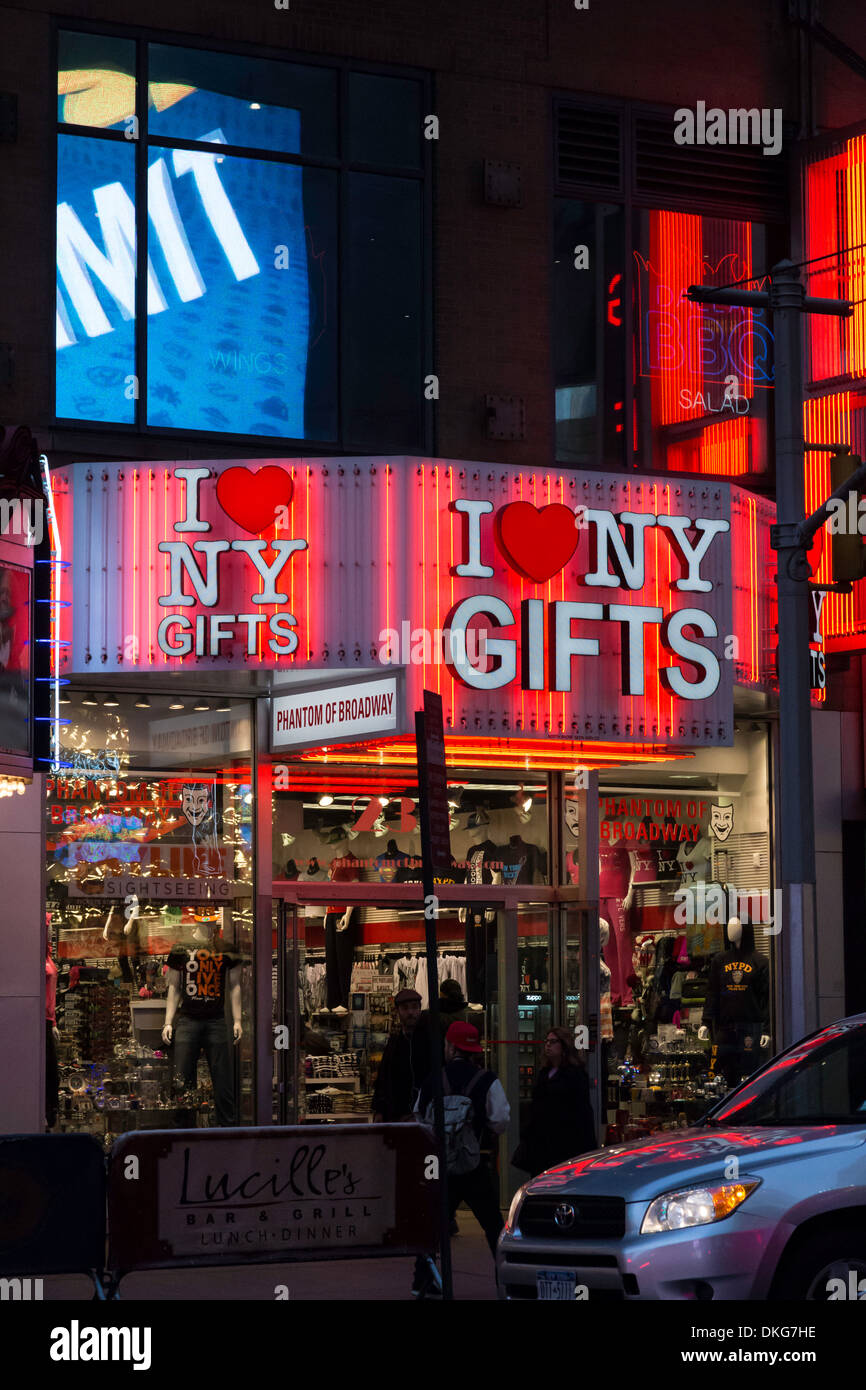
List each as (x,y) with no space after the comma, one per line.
(787,302)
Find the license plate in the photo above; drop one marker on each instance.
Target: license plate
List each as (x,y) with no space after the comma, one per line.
(556,1284)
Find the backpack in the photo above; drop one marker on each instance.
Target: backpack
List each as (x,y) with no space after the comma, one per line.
(462,1146)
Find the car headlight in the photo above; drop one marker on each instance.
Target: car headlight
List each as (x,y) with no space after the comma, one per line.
(695,1206)
(516,1201)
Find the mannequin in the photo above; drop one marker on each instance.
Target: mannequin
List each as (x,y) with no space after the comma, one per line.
(737,1004)
(605,1011)
(616,894)
(341,932)
(126,937)
(313,873)
(572,836)
(201,976)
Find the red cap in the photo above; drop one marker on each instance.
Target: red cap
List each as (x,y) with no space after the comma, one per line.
(464,1037)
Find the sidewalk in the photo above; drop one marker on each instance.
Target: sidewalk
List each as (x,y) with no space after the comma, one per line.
(332,1281)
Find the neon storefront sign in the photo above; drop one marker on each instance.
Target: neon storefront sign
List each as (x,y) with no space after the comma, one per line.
(607,603)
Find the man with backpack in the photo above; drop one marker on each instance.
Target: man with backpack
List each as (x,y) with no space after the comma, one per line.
(475,1106)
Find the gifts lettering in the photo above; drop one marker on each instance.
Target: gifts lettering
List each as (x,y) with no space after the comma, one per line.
(610,554)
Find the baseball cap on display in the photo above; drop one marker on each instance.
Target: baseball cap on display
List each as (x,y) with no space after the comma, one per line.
(464,1037)
(407,996)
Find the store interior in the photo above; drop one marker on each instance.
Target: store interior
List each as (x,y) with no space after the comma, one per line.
(356,828)
(686,1008)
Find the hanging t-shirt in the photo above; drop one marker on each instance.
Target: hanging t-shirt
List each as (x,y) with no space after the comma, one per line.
(645,864)
(694,860)
(203,975)
(522,861)
(480,858)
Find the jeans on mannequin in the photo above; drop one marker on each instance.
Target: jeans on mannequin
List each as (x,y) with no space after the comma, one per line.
(617,953)
(191,1035)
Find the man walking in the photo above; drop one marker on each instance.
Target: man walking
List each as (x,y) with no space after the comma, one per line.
(406,1063)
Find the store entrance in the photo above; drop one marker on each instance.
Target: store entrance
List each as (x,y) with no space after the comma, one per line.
(339,958)
(512,963)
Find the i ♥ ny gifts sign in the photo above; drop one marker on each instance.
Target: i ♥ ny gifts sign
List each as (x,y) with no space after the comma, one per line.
(538,603)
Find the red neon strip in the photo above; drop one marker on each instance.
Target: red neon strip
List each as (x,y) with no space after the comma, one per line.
(150,565)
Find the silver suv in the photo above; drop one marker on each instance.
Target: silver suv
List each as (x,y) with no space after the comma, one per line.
(763,1198)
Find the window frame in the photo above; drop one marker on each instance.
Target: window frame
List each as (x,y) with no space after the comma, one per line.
(291,446)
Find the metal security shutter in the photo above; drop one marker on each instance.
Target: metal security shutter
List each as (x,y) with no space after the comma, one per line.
(589,156)
(723,179)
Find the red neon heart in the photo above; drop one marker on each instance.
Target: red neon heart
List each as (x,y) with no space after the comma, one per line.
(536,542)
(251,499)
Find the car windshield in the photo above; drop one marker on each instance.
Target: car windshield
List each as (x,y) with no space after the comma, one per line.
(820,1081)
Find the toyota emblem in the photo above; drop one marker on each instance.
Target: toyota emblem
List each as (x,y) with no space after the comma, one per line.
(564,1216)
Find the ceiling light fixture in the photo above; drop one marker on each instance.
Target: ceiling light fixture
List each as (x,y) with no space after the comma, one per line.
(383,800)
(110,702)
(326,799)
(142,702)
(90,700)
(224,708)
(200,705)
(177,704)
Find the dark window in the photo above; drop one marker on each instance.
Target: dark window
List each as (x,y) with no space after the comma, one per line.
(384,387)
(254,102)
(385,121)
(589,332)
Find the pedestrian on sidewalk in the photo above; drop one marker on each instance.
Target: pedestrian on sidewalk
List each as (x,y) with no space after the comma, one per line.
(405,1063)
(476,1110)
(560,1124)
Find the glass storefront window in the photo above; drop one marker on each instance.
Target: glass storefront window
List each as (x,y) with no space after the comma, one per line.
(687,922)
(702,372)
(352,959)
(149,887)
(699,376)
(498,829)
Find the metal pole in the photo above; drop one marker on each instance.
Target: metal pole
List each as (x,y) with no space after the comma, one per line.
(430,919)
(797,813)
(788,303)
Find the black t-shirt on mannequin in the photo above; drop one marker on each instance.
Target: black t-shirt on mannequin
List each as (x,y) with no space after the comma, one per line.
(738,989)
(203,969)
